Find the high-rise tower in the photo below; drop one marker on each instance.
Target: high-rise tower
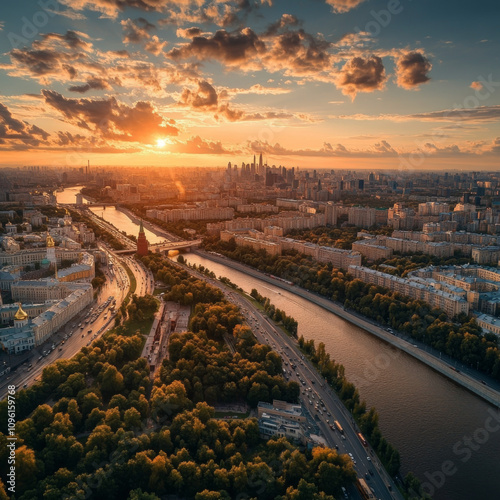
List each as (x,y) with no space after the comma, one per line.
(142,242)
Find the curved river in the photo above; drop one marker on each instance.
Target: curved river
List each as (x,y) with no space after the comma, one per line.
(110,214)
(447,436)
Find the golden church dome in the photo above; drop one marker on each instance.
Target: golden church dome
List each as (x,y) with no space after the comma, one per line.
(20,314)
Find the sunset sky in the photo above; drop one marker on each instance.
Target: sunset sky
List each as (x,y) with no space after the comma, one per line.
(322,83)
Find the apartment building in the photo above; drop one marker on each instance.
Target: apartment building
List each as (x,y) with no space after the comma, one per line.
(449,303)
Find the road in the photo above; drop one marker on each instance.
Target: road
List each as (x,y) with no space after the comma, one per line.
(81,330)
(314,390)
(474,381)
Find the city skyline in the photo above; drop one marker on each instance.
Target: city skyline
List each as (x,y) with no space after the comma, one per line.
(355,84)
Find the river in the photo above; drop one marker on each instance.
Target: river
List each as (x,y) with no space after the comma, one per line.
(423,414)
(446,435)
(110,214)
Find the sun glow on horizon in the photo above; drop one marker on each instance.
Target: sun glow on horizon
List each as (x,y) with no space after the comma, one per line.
(161,143)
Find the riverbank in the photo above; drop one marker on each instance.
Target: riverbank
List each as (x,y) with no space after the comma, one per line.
(474,386)
(148,225)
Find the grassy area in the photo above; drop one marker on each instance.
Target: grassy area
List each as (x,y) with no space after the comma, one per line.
(133,284)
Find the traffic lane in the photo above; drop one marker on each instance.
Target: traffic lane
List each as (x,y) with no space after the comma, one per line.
(351,441)
(72,344)
(343,444)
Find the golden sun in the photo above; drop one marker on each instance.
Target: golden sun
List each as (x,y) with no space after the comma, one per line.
(160,143)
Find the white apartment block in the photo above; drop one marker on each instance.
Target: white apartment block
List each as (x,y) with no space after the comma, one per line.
(30,256)
(202,213)
(371,250)
(59,314)
(414,289)
(489,323)
(275,245)
(486,255)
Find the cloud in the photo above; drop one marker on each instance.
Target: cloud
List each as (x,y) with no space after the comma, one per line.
(112,7)
(298,53)
(238,115)
(70,57)
(224,14)
(136,31)
(177,11)
(204,97)
(113,120)
(481,114)
(476,85)
(260,90)
(94,83)
(412,69)
(155,46)
(68,13)
(341,6)
(383,149)
(361,75)
(190,33)
(231,48)
(53,55)
(283,22)
(197,145)
(16,131)
(71,40)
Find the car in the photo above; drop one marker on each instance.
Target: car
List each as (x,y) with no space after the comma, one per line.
(369,459)
(370,471)
(25,386)
(350,454)
(367,475)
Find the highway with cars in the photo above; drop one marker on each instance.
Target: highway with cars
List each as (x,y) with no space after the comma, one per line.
(316,397)
(467,377)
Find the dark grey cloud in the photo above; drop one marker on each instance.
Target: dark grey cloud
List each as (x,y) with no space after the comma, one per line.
(92,84)
(361,75)
(412,69)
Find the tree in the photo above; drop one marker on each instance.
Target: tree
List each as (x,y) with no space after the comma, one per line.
(26,467)
(111,380)
(132,419)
